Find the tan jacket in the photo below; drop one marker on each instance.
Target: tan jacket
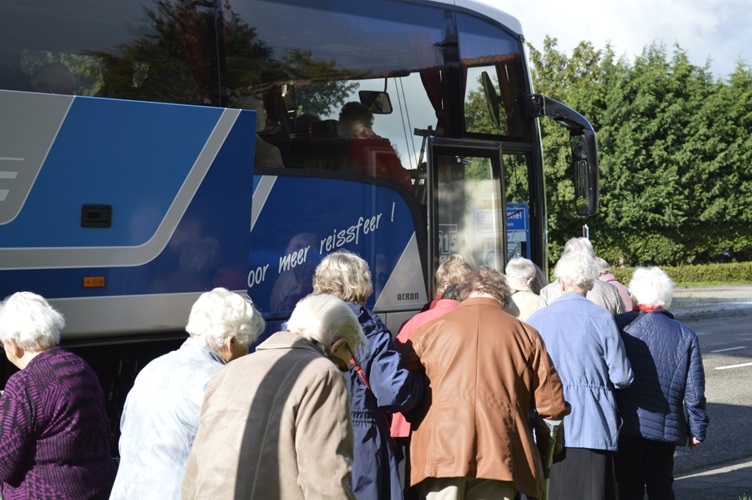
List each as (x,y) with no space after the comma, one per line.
(274,424)
(486,370)
(604,294)
(524,302)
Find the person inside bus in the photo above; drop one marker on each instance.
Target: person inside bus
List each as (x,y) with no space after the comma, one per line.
(370,154)
(267,155)
(53,78)
(162,409)
(55,439)
(378,386)
(12,76)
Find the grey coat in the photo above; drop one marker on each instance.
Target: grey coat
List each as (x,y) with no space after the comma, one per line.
(603,294)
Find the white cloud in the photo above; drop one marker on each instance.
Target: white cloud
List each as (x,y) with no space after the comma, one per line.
(719,30)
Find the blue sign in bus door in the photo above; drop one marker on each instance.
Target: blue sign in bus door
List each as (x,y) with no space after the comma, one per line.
(518,230)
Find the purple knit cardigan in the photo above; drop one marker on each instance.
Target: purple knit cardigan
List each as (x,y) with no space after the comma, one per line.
(54,437)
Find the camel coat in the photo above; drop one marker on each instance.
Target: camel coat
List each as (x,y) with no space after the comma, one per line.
(487,371)
(274,425)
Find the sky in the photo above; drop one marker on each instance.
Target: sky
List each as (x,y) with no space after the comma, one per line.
(719,30)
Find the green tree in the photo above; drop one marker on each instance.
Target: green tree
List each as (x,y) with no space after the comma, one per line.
(674,148)
(576,81)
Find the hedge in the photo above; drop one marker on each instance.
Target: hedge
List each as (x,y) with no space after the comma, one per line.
(707,274)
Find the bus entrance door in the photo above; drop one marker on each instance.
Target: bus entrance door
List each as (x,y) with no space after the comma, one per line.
(466,202)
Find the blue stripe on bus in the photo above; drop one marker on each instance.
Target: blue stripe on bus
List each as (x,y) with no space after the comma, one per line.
(131,155)
(209,247)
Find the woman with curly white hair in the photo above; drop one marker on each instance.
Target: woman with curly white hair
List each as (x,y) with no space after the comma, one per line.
(54,432)
(162,409)
(587,351)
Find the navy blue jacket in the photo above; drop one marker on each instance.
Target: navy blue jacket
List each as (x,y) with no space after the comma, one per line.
(375,474)
(668,379)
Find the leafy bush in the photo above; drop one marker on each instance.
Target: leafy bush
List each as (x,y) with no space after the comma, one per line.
(704,274)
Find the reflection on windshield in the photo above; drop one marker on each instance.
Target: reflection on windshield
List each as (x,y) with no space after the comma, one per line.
(276,58)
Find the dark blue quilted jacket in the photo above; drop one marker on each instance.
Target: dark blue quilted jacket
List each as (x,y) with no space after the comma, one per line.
(666,401)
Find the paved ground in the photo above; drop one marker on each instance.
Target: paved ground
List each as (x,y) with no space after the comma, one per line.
(694,301)
(731,480)
(715,292)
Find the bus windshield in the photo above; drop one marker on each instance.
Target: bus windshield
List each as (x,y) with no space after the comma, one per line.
(299,64)
(423,104)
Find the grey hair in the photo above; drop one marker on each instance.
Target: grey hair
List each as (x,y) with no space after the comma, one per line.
(579,245)
(326,318)
(652,287)
(30,321)
(220,314)
(345,275)
(577,269)
(603,266)
(486,280)
(521,268)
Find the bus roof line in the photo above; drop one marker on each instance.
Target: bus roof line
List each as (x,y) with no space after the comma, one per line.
(508,20)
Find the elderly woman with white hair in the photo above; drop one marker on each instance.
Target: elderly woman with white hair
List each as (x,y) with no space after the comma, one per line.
(521,274)
(602,293)
(669,381)
(54,439)
(276,424)
(587,351)
(161,411)
(378,385)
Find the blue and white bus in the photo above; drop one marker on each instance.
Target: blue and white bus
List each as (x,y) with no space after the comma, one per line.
(152,150)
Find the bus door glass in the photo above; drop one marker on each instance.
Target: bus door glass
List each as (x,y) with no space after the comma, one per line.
(466,209)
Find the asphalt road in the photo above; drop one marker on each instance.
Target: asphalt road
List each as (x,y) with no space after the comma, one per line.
(722,319)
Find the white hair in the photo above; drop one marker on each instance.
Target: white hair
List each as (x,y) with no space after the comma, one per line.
(651,287)
(521,268)
(577,269)
(220,314)
(326,318)
(32,323)
(579,245)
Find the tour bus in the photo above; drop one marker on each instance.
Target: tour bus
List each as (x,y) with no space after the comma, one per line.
(153,150)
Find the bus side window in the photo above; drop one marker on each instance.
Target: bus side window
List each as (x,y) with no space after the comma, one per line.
(12,76)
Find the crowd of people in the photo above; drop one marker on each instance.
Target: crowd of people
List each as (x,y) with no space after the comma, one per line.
(335,405)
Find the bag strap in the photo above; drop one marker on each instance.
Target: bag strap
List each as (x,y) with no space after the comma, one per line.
(362,375)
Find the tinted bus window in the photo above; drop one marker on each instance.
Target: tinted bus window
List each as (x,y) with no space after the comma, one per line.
(494,79)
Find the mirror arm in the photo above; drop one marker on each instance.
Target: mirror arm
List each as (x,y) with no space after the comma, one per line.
(540,105)
(584,152)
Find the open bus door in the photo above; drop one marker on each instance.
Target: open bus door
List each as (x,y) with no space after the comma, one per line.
(466,210)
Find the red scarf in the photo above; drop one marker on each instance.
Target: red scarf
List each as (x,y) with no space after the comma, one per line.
(647,308)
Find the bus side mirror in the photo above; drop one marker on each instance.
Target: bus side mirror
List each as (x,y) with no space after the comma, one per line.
(492,99)
(584,148)
(586,177)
